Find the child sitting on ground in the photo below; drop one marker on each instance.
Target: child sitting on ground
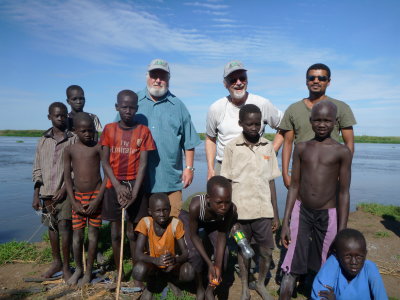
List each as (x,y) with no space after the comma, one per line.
(85,192)
(213,214)
(49,187)
(160,233)
(125,145)
(347,275)
(250,163)
(317,203)
(76,99)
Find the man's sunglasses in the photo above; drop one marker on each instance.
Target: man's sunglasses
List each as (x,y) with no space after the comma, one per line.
(320,78)
(233,80)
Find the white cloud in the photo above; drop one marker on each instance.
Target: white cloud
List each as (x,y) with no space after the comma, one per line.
(207,5)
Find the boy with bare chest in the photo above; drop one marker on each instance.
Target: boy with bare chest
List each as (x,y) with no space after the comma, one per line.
(318,200)
(85,191)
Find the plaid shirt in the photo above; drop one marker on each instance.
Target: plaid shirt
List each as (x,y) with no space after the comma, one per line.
(48,166)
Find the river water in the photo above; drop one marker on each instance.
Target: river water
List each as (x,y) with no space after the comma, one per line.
(375,178)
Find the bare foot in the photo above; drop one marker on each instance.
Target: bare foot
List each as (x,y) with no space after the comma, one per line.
(245,293)
(262,291)
(73,280)
(55,267)
(85,279)
(175,290)
(66,273)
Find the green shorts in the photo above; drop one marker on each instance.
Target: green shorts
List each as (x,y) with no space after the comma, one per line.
(52,214)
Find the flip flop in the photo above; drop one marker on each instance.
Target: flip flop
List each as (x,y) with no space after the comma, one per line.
(131,290)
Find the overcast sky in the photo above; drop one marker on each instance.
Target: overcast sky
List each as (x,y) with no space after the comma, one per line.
(105,46)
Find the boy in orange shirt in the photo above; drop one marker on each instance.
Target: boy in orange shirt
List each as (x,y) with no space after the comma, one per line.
(161,233)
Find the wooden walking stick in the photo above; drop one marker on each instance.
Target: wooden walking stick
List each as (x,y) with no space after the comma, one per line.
(121,254)
(84,257)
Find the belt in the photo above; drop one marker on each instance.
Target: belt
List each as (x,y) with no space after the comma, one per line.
(219,161)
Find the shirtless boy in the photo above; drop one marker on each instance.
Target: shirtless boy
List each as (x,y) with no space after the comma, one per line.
(85,192)
(76,99)
(317,204)
(125,145)
(161,234)
(49,187)
(214,213)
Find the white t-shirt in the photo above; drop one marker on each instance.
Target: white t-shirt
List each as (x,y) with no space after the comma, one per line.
(223,117)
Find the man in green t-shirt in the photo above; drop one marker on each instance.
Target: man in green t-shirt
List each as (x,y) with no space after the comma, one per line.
(296,126)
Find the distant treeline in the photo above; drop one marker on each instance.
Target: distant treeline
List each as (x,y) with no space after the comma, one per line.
(269,136)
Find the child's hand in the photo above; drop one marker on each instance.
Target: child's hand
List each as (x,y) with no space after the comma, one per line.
(214,275)
(78,208)
(59,195)
(131,200)
(123,194)
(328,295)
(275,224)
(159,261)
(285,235)
(92,207)
(169,259)
(36,202)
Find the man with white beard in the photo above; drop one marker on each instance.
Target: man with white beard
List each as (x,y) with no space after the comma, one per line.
(223,116)
(173,132)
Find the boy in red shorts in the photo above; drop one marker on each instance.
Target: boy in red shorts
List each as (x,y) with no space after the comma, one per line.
(125,145)
(85,192)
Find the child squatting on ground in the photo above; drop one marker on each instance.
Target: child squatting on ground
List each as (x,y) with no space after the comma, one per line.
(250,163)
(347,275)
(211,216)
(125,145)
(317,203)
(161,233)
(85,191)
(49,190)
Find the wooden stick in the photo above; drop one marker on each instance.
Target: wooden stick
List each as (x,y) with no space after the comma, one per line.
(121,254)
(84,257)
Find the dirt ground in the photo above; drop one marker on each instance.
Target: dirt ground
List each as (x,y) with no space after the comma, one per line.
(382,234)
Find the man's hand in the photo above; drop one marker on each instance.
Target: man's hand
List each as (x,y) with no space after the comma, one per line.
(285,235)
(36,202)
(60,195)
(275,224)
(286,180)
(210,173)
(187,177)
(328,295)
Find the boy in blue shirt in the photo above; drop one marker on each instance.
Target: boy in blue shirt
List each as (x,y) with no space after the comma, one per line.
(347,275)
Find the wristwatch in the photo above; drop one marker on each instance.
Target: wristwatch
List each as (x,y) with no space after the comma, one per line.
(190,168)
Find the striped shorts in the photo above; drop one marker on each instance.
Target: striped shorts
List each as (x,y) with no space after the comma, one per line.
(312,233)
(79,221)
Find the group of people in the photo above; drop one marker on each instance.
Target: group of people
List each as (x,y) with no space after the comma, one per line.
(142,155)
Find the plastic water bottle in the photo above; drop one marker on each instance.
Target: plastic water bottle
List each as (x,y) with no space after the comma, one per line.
(244,245)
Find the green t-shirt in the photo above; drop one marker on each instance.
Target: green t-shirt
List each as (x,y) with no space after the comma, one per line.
(297,118)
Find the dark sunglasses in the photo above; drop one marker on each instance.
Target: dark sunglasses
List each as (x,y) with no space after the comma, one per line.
(233,80)
(320,78)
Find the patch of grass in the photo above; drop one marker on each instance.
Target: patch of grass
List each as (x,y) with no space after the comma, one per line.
(171,296)
(382,234)
(25,133)
(393,298)
(17,251)
(380,210)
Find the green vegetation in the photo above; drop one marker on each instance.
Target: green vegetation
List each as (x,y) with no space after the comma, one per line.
(384,211)
(382,234)
(269,136)
(23,251)
(24,133)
